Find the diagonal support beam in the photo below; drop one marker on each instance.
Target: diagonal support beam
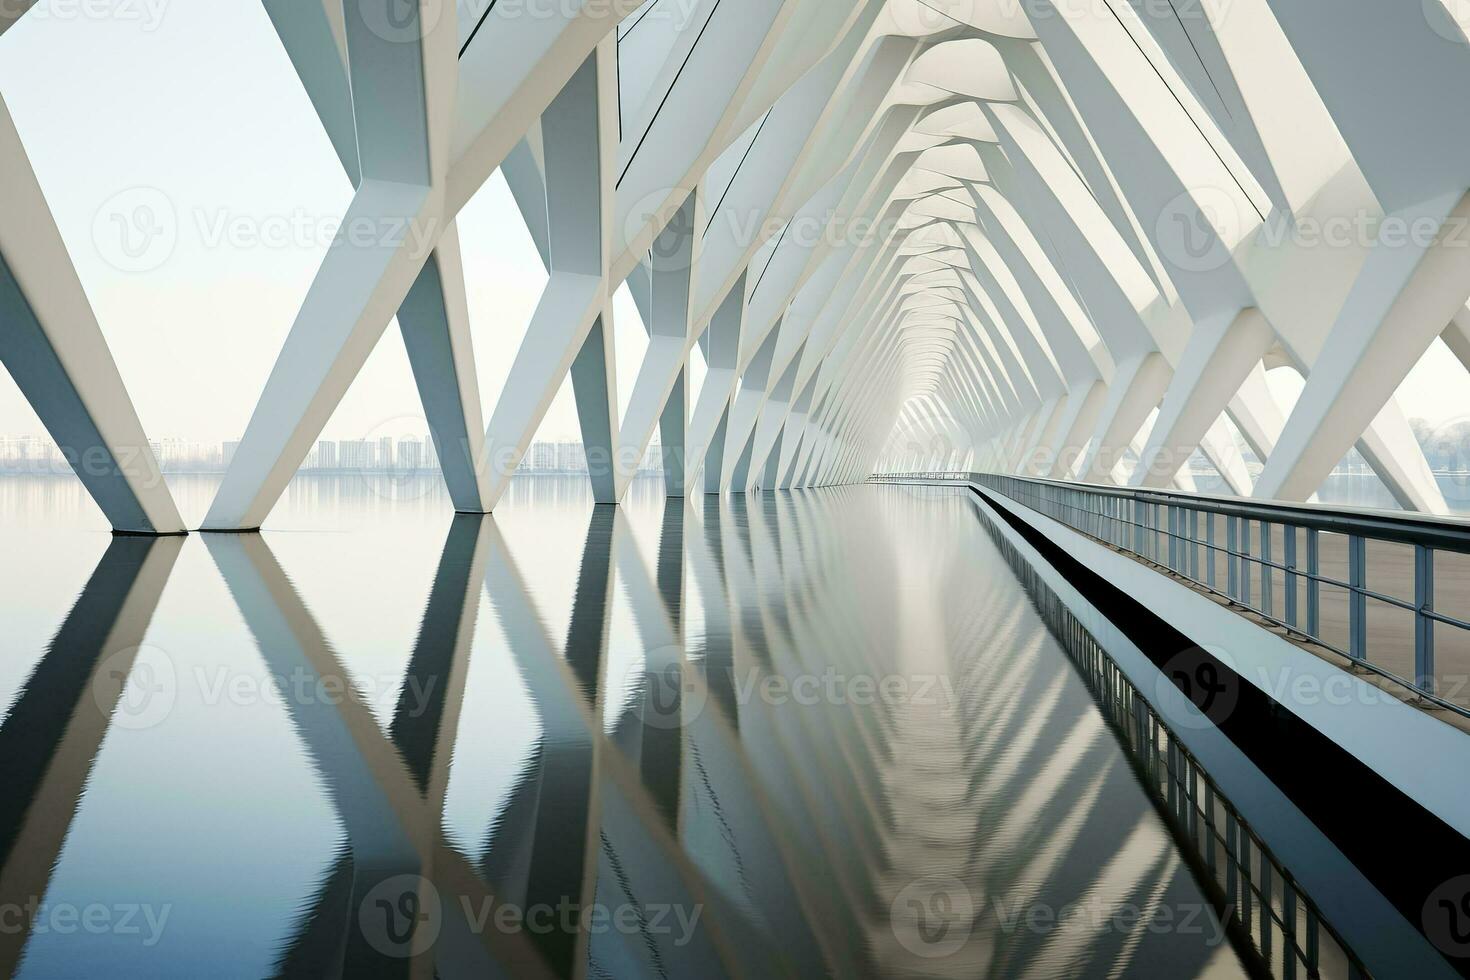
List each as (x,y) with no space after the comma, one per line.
(53,347)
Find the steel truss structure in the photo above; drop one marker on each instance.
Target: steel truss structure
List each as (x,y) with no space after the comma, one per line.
(1064,238)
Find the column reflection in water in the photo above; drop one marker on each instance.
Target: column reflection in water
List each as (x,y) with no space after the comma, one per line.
(55,728)
(787,734)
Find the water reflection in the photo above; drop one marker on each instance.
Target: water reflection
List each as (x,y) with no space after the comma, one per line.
(799,734)
(55,728)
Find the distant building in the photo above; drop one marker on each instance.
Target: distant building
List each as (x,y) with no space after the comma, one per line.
(653,459)
(410,455)
(354,454)
(570,458)
(385,458)
(326,455)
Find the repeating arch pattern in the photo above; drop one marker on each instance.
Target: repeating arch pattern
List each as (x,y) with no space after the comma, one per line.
(1058,237)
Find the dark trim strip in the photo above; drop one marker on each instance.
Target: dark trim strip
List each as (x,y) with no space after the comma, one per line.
(669,91)
(476,29)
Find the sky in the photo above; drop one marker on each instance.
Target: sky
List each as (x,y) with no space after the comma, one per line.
(192,108)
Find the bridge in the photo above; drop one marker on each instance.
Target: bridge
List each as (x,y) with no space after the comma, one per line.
(1117,285)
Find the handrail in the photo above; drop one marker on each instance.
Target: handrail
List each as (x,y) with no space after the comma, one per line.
(1163,528)
(1444,533)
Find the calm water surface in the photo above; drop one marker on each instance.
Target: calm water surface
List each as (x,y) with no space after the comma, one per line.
(805,734)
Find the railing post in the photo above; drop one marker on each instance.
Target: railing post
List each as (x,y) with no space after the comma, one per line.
(1266,579)
(1194,544)
(1423,622)
(1245,561)
(1289,952)
(1156,523)
(1288,540)
(1210,550)
(1173,523)
(1314,587)
(1232,577)
(1357,601)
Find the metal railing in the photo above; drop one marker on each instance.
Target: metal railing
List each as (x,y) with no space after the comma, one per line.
(1305,568)
(1250,884)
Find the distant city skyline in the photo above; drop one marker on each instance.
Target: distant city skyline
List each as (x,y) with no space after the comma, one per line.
(25,454)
